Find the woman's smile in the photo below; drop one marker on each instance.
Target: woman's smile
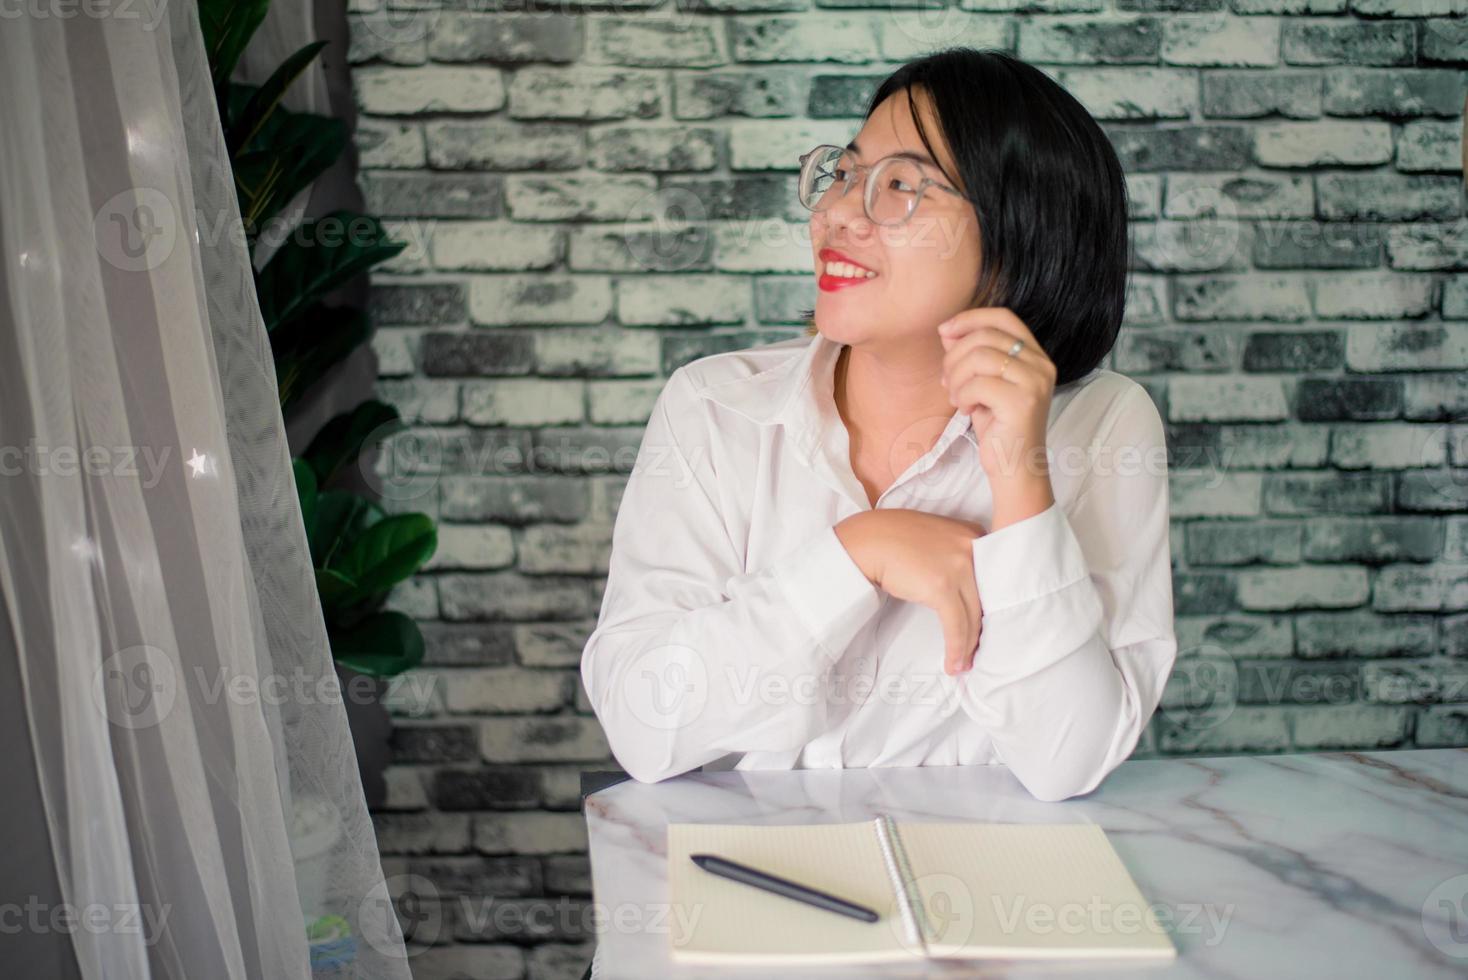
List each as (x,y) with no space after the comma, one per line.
(839,272)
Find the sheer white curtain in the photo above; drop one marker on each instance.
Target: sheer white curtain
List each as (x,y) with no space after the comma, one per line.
(196,772)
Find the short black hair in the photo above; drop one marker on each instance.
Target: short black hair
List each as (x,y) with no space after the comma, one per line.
(1049,192)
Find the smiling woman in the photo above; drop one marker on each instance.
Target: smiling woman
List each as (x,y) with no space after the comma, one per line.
(1035,221)
(853,549)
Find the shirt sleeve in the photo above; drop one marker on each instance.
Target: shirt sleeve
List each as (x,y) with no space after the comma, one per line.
(691,657)
(1077,636)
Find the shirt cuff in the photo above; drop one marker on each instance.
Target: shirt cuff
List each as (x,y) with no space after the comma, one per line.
(831,596)
(1027,559)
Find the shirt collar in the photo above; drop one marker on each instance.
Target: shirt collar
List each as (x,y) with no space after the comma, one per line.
(799,394)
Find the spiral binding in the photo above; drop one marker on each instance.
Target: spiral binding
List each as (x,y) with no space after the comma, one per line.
(909,901)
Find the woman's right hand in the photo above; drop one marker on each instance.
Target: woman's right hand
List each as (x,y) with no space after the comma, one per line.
(927,559)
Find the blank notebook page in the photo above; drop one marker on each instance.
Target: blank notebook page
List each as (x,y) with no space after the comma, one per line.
(714,918)
(1016,890)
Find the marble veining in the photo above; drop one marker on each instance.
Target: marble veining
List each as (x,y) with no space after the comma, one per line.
(1347,864)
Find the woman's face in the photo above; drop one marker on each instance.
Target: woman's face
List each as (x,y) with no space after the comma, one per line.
(925,270)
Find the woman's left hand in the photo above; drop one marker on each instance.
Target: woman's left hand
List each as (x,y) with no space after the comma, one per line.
(1010,413)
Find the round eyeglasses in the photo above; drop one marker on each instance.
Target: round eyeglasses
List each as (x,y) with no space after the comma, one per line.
(894,185)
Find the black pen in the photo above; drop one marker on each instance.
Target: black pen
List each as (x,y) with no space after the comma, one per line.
(782,886)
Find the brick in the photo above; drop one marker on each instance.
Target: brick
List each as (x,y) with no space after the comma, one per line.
(527,921)
(1243,195)
(405,790)
(1244,297)
(559,961)
(1349,726)
(552,644)
(1442,726)
(1392,92)
(421,833)
(1248,94)
(498,596)
(530,833)
(497,38)
(416,304)
(513,499)
(1362,633)
(1238,543)
(1323,143)
(483,962)
(1407,346)
(778,145)
(643,43)
(472,547)
(1225,398)
(523,401)
(744,196)
(1299,682)
(660,149)
(1435,396)
(1388,197)
(1089,41)
(472,645)
(1243,729)
(823,37)
(477,353)
(1443,490)
(1133,93)
(1218,39)
(1316,245)
(595,352)
(1150,350)
(1326,493)
(1376,295)
(582,549)
(1425,246)
(498,144)
(1294,351)
(568,738)
(433,743)
(534,299)
(380,37)
(1388,445)
(568,874)
(681,300)
(1237,635)
(1343,42)
(494,246)
(1415,681)
(475,876)
(1348,399)
(420,400)
(763,93)
(903,35)
(432,195)
(651,247)
(585,92)
(1182,148)
(398,91)
(388,143)
(504,690)
(1421,588)
(1375,541)
(591,197)
(1429,144)
(1311,587)
(621,402)
(588,449)
(1215,494)
(488,788)
(1206,245)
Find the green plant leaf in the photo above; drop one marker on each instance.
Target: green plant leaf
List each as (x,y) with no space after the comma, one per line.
(305,489)
(340,517)
(227,26)
(388,552)
(342,439)
(263,100)
(319,255)
(311,345)
(383,645)
(287,153)
(337,592)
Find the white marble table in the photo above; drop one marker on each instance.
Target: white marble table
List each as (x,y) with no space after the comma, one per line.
(1311,865)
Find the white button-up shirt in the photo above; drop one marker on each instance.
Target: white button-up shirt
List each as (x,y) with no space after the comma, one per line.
(735,627)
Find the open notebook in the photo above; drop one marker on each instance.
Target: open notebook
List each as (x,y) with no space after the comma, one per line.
(965,890)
